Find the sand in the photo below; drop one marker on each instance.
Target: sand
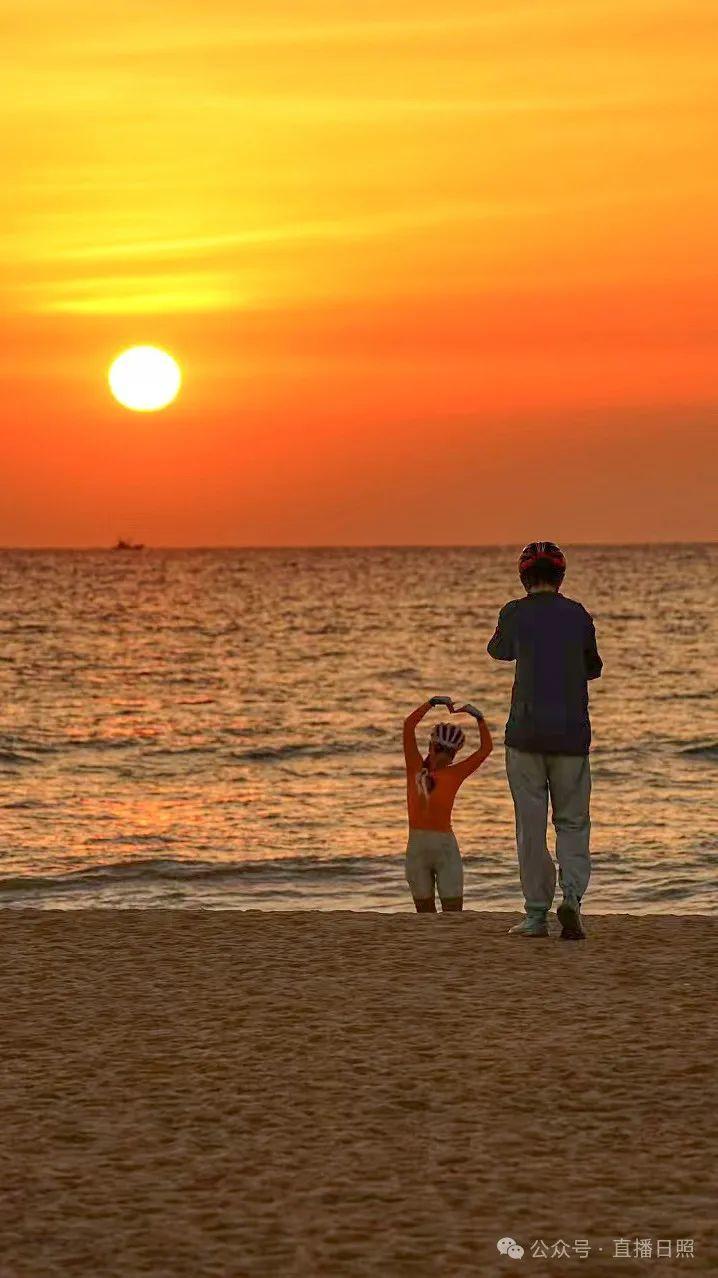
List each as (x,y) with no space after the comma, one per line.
(247,1093)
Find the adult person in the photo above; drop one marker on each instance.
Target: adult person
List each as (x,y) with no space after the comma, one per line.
(552,639)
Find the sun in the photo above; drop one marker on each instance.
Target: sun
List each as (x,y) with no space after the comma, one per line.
(144,378)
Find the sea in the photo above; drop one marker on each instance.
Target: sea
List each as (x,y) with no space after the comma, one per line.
(221,728)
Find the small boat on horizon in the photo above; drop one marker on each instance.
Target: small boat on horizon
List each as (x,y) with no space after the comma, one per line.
(128,545)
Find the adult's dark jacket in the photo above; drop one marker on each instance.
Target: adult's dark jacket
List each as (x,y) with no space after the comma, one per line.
(552,639)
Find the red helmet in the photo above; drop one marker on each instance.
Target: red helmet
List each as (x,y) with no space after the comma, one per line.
(542,560)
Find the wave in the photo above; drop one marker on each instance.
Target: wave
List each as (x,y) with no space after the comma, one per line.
(370,739)
(162,882)
(670,891)
(281,869)
(685,696)
(276,754)
(132,839)
(29,627)
(709,751)
(26,803)
(406,672)
(16,756)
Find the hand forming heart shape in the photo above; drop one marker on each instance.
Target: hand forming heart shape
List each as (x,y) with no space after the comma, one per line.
(450,705)
(467,708)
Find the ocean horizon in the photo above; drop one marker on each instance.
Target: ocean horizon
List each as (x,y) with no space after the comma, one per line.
(511,546)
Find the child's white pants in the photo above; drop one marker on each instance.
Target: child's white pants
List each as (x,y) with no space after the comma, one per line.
(433,856)
(567,778)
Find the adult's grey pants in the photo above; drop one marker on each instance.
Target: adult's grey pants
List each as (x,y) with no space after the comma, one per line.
(567,779)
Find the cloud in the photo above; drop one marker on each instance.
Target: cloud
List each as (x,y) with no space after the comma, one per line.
(342,228)
(156,293)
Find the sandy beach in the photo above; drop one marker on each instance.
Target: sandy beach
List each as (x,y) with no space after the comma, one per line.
(245,1093)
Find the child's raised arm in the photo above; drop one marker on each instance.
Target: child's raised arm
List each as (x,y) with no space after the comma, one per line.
(474,761)
(411,749)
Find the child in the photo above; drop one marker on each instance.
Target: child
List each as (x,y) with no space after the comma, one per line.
(432,853)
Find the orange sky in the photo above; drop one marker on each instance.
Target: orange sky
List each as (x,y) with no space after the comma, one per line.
(429,278)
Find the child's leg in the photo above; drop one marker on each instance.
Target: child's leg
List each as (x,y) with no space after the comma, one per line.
(425,906)
(450,874)
(419,874)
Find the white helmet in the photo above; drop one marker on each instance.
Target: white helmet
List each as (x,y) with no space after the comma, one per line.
(447,736)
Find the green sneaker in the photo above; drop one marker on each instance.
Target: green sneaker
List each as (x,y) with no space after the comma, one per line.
(531,925)
(569,916)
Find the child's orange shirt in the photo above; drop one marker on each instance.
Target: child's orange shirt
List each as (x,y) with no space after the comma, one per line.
(434,812)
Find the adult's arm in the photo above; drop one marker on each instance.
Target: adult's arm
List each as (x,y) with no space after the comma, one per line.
(594,664)
(501,644)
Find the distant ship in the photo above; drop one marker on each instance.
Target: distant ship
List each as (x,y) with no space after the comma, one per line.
(128,545)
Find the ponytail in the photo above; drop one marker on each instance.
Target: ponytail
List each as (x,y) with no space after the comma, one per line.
(425,779)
